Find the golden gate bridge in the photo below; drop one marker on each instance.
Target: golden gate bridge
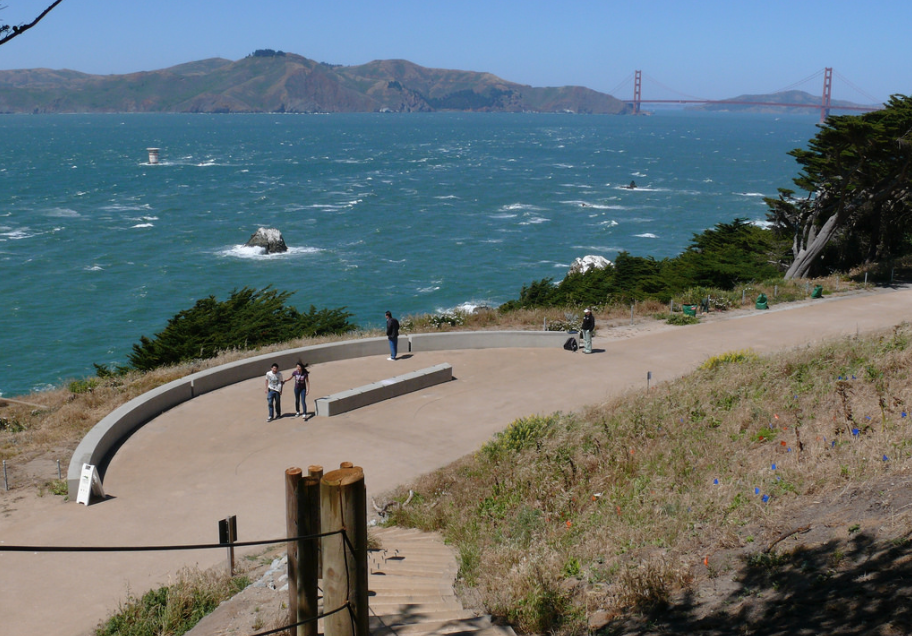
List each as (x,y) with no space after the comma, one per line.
(825,105)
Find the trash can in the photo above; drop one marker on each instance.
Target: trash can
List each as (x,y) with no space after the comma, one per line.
(818,292)
(761,302)
(689,310)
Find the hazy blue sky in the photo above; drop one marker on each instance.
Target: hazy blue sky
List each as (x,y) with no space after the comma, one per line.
(709,49)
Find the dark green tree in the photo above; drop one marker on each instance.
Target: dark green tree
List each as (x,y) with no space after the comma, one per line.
(856,173)
(247,319)
(719,257)
(724,256)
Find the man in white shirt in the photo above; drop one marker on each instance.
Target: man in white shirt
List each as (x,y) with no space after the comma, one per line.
(274,382)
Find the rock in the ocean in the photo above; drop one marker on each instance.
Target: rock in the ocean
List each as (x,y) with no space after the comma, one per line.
(270,239)
(586,263)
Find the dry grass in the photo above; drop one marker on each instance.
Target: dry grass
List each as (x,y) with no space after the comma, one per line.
(560,515)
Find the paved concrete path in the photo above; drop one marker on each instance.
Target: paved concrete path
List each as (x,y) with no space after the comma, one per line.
(216,455)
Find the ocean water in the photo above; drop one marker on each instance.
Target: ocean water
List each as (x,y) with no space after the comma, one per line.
(411,213)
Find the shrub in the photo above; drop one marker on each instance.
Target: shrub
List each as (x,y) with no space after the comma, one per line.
(740,356)
(85,385)
(173,609)
(682,319)
(522,433)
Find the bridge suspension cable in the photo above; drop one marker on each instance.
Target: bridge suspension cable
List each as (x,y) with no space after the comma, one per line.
(617,89)
(800,82)
(842,78)
(676,92)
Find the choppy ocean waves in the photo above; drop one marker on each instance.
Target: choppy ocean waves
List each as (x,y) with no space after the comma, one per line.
(468,307)
(62,213)
(246,252)
(17,234)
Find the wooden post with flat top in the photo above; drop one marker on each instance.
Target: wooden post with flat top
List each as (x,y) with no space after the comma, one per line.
(292,480)
(343,506)
(302,500)
(317,473)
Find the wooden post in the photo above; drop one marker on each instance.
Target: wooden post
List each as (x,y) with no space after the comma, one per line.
(308,496)
(343,506)
(292,479)
(228,536)
(317,472)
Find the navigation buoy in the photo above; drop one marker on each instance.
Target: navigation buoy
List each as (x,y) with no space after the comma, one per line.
(153,155)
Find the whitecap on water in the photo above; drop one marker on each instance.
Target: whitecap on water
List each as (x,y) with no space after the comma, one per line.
(143,225)
(246,252)
(428,290)
(62,213)
(93,268)
(519,206)
(535,220)
(608,223)
(468,307)
(595,206)
(18,235)
(646,235)
(123,207)
(749,194)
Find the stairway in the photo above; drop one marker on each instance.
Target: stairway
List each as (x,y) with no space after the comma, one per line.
(411,588)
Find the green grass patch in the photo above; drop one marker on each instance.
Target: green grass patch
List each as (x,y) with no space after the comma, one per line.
(173,609)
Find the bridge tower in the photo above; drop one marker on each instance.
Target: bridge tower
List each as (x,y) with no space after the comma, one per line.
(827,94)
(637,91)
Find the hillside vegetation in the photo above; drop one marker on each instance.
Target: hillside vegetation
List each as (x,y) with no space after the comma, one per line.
(278,82)
(681,511)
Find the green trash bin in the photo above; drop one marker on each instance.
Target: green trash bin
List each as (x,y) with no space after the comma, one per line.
(689,310)
(818,292)
(761,302)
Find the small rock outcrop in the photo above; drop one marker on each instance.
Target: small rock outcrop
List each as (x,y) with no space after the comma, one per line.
(584,264)
(270,239)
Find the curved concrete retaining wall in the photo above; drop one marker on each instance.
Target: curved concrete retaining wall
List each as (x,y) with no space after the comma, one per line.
(98,444)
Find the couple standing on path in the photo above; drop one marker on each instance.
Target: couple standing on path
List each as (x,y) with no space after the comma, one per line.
(274,383)
(301,377)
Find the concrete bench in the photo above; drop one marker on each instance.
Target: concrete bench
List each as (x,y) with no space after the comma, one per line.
(361,396)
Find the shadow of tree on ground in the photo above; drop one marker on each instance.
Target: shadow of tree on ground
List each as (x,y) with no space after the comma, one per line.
(857,586)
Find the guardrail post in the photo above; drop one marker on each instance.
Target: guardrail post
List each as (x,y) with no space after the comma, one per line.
(308,496)
(317,473)
(343,506)
(292,479)
(228,535)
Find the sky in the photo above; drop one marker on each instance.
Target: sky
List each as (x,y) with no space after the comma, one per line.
(709,49)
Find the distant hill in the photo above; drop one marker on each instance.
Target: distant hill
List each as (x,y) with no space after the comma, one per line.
(277,82)
(785,97)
